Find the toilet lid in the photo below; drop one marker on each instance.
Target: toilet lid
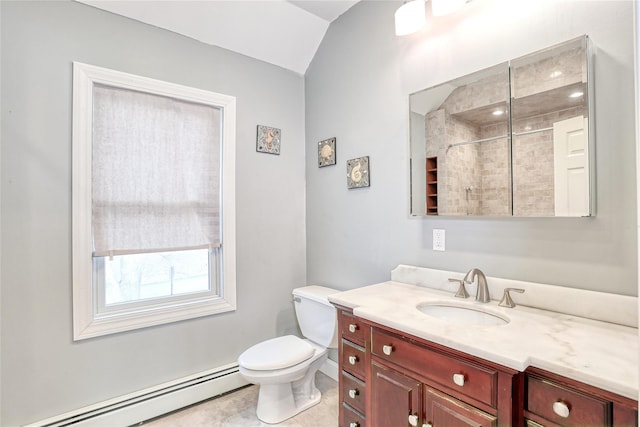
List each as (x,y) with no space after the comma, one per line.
(276,353)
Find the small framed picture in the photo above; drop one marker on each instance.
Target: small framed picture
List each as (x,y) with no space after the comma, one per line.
(358,172)
(327,152)
(268,140)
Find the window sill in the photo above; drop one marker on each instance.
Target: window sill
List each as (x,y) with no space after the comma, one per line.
(94,326)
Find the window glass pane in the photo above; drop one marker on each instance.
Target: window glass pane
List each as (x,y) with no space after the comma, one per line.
(138,277)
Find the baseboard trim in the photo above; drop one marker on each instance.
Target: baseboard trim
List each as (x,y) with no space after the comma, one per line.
(330,369)
(152,402)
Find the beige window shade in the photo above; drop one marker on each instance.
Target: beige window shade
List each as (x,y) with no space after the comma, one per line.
(155,173)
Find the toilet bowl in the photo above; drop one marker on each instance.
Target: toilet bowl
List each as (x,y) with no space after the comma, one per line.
(285,367)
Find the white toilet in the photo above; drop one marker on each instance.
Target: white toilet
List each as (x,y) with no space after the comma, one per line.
(285,367)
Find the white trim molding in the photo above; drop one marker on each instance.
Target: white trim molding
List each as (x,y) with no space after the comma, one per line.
(86,321)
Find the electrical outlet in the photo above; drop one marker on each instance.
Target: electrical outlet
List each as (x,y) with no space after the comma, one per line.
(438,239)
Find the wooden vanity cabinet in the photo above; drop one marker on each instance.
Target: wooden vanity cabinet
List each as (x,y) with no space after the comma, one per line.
(552,400)
(417,383)
(398,400)
(392,379)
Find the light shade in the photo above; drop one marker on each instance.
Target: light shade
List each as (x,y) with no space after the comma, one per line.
(410,17)
(445,7)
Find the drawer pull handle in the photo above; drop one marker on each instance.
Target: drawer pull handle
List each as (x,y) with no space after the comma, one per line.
(458,379)
(353,328)
(353,393)
(387,349)
(413,420)
(354,424)
(561,409)
(353,360)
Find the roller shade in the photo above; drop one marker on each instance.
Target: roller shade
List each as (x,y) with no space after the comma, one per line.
(155,173)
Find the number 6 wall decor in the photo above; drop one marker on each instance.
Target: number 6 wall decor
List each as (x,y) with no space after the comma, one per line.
(358,172)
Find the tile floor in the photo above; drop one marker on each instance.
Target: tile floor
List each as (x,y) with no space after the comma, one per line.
(239,409)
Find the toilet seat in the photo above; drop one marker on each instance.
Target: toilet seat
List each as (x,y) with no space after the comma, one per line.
(276,353)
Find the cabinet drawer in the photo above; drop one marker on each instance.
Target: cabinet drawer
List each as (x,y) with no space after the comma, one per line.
(351,327)
(563,405)
(353,359)
(354,392)
(351,418)
(472,380)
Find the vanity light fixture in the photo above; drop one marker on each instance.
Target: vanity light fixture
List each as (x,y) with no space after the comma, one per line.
(555,74)
(410,17)
(498,113)
(445,7)
(577,94)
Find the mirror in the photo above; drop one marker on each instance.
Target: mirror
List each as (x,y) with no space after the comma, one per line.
(466,144)
(509,140)
(550,119)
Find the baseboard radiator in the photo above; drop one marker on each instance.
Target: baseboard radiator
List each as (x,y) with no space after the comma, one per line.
(152,402)
(155,401)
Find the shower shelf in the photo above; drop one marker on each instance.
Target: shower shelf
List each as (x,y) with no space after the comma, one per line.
(432,185)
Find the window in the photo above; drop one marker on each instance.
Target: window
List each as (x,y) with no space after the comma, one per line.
(153,202)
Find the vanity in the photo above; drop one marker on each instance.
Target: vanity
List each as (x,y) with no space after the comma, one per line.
(413,354)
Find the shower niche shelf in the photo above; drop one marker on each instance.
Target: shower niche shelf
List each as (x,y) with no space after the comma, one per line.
(432,185)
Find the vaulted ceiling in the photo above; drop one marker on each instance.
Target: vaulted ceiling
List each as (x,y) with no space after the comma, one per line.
(286,33)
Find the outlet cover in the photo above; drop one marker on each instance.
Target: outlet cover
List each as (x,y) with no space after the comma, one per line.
(438,239)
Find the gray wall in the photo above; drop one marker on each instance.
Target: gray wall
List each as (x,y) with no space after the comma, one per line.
(44,373)
(357,90)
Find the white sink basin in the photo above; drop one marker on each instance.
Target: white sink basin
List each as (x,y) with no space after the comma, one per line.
(462,314)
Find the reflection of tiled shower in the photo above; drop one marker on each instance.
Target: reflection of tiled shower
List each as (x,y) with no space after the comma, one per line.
(474,176)
(533,163)
(532,145)
(482,168)
(475,161)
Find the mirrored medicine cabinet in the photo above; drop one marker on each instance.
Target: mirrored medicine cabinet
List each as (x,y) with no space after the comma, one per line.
(510,140)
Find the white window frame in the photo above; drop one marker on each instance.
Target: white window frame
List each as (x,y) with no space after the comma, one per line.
(87,323)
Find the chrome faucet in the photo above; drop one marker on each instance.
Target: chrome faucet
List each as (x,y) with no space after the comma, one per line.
(482,294)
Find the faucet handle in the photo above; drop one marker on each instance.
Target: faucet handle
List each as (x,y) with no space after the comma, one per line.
(506,298)
(462,291)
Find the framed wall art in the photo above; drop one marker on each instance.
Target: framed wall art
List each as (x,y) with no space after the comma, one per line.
(268,140)
(358,172)
(327,152)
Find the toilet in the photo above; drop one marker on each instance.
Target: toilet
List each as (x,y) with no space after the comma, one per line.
(285,367)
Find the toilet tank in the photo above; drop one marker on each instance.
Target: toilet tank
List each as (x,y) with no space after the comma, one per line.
(317,317)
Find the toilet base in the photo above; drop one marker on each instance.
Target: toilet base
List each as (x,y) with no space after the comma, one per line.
(279,402)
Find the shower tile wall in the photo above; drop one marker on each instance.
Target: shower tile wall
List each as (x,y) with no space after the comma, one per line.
(494,158)
(463,178)
(473,179)
(550,73)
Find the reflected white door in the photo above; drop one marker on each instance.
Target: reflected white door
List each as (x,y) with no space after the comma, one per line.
(571,167)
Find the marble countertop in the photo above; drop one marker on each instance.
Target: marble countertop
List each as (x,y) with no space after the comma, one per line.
(602,354)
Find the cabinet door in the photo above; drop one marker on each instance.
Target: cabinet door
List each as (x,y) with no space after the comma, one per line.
(442,410)
(395,398)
